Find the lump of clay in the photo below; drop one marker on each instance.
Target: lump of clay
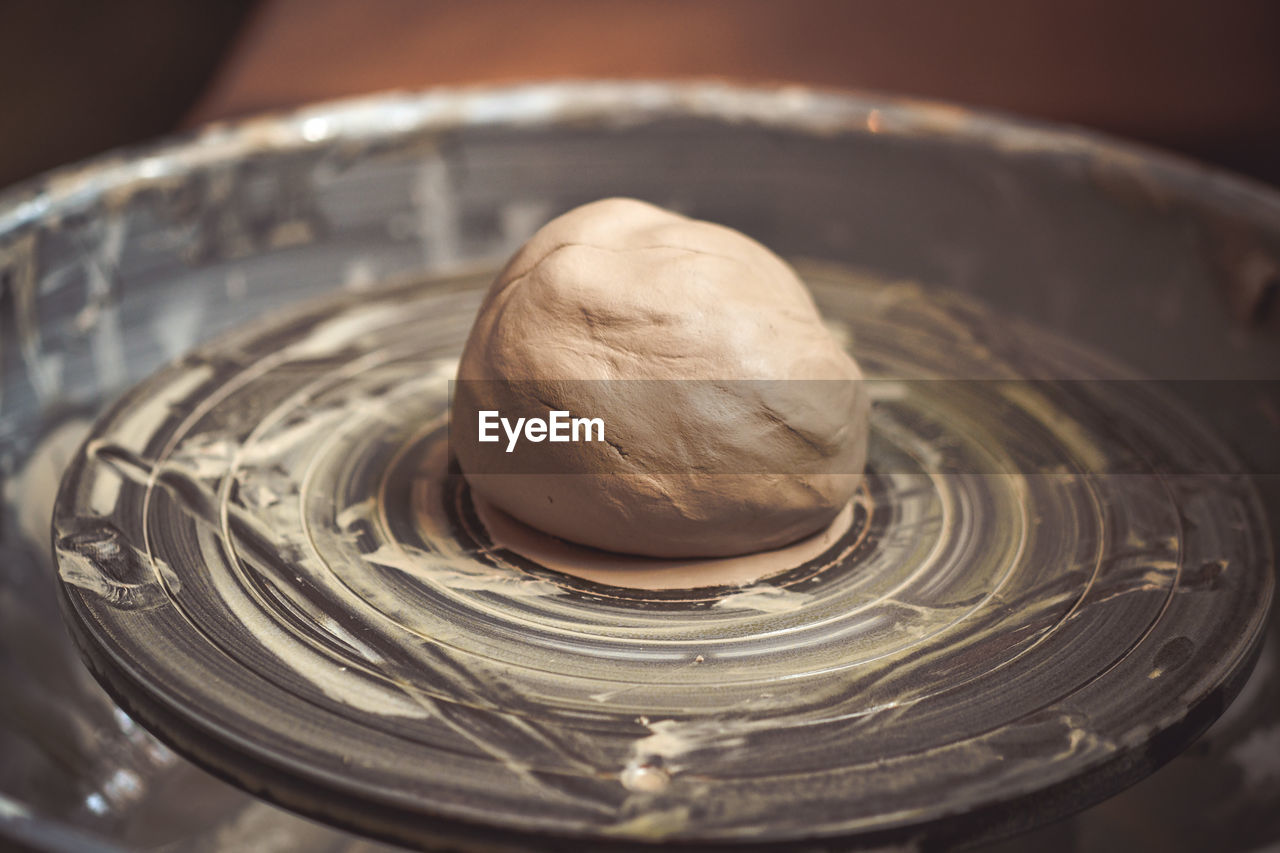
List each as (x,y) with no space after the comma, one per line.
(751,432)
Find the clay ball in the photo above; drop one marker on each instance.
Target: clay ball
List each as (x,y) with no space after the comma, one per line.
(733,421)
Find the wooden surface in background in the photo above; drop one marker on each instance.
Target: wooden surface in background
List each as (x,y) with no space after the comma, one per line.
(1192,74)
(1202,76)
(77,78)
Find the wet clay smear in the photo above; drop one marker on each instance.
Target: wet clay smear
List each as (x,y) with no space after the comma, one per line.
(267,552)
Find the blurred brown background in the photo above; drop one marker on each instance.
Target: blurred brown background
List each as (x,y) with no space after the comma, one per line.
(1197,76)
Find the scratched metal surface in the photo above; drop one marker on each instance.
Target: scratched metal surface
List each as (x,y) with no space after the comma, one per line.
(112,269)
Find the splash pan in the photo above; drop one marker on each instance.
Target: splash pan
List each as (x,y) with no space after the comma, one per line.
(235,346)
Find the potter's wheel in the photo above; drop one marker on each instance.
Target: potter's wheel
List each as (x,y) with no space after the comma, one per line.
(268,561)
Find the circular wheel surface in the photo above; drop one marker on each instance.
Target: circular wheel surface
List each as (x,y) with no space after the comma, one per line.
(1047,589)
